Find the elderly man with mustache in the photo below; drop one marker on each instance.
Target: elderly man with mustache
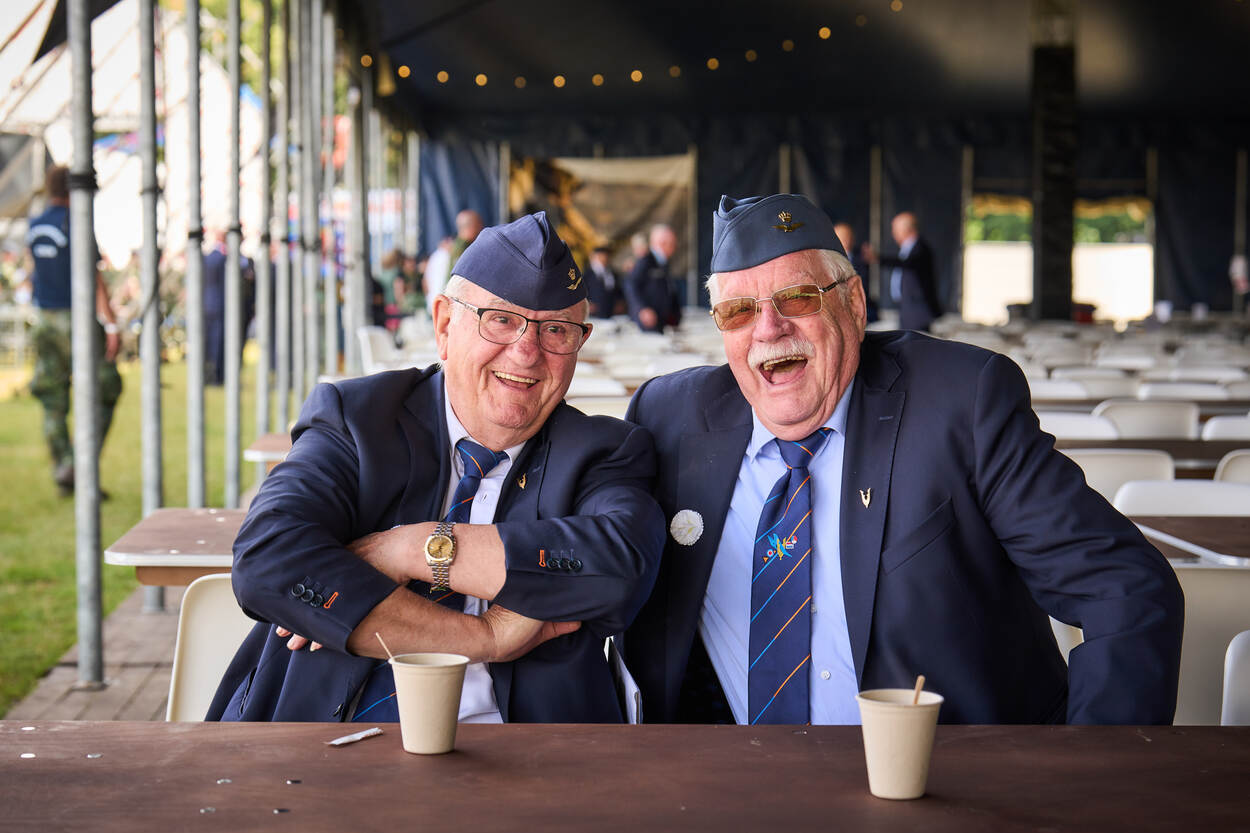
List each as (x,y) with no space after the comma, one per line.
(849,510)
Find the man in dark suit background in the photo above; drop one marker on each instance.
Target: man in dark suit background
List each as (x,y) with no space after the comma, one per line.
(653,298)
(603,285)
(546,515)
(910,275)
(888,504)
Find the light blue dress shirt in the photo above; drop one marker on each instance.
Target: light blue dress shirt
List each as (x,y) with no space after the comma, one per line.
(724,621)
(896,275)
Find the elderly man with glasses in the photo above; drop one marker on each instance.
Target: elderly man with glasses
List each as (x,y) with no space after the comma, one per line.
(462,508)
(849,510)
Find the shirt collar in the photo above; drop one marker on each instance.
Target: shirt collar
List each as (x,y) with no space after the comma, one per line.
(761,436)
(456,432)
(905,248)
(659,257)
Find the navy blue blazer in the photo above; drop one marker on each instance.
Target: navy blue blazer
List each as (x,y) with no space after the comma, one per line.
(583,539)
(977,528)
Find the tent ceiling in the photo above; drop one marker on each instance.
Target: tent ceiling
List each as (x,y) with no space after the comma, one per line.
(937,56)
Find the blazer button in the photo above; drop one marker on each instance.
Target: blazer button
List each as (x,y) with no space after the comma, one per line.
(297,590)
(317,600)
(576,563)
(308,594)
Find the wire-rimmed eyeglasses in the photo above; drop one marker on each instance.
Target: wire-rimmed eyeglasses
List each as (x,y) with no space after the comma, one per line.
(501,326)
(796,301)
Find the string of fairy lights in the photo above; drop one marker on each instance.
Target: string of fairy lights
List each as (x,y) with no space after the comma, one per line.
(635,75)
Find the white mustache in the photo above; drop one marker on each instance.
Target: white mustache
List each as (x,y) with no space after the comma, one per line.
(790,346)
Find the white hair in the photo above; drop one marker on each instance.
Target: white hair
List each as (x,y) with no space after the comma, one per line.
(836,264)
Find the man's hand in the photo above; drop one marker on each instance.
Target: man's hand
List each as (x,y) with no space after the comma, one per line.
(296,641)
(391,551)
(513,635)
(112,341)
(647,317)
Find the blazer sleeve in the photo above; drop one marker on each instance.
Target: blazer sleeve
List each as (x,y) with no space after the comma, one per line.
(1084,563)
(593,554)
(290,563)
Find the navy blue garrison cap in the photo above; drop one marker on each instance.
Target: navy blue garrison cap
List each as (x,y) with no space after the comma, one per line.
(753,230)
(525,263)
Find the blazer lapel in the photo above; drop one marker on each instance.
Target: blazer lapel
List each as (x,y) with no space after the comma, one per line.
(425,427)
(708,464)
(871,434)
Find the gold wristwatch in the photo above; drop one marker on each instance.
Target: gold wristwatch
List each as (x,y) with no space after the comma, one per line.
(440,552)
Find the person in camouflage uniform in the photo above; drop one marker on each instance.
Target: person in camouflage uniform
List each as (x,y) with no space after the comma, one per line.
(48,239)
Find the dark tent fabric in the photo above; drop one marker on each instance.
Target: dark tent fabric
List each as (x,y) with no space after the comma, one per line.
(1195,221)
(455,175)
(922,167)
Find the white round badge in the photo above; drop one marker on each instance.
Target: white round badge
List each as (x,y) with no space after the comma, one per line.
(686,527)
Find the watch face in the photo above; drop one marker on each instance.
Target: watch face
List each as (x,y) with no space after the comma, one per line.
(439,548)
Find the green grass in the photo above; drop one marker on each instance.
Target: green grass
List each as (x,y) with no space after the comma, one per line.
(38,602)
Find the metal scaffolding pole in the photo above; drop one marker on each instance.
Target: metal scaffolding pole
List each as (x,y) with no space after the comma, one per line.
(282,320)
(85,354)
(149,279)
(356,230)
(234,308)
(414,185)
(368,130)
(330,268)
(263,261)
(309,220)
(295,96)
(195,270)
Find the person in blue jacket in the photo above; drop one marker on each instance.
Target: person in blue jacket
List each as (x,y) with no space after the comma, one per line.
(463,509)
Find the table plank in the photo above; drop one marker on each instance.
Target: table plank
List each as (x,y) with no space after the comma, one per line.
(610,778)
(1226,535)
(174,545)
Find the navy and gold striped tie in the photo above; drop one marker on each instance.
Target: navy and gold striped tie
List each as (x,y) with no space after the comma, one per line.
(781,592)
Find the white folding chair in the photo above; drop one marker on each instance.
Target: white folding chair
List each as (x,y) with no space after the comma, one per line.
(1234,467)
(1238,390)
(1183,497)
(1195,373)
(1215,612)
(210,628)
(377,349)
(1136,418)
(1057,389)
(1226,428)
(1073,425)
(1086,372)
(1235,706)
(1110,388)
(1107,469)
(1193,391)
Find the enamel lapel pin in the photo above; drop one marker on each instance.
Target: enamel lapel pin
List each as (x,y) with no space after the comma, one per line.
(865,497)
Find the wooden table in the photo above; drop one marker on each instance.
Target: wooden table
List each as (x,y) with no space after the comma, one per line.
(1224,539)
(120,776)
(1193,458)
(269,449)
(175,546)
(1207,408)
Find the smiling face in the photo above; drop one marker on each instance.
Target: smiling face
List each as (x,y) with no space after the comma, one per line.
(501,393)
(794,370)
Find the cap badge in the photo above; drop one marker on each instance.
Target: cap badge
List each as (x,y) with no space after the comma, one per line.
(575,278)
(786,226)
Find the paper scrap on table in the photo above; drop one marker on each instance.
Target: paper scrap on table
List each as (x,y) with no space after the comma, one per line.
(352,738)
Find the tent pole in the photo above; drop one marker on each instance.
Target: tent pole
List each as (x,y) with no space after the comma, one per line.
(282,321)
(264,261)
(234,308)
(85,355)
(149,279)
(195,270)
(330,277)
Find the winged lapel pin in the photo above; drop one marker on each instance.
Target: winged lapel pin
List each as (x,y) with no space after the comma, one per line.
(865,497)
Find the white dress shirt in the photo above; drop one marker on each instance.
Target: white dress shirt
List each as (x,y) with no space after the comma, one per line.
(725,619)
(477,698)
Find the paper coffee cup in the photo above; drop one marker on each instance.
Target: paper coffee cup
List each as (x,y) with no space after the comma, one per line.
(898,739)
(427,693)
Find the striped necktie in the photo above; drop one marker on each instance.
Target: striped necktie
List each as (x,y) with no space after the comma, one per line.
(781,592)
(377,702)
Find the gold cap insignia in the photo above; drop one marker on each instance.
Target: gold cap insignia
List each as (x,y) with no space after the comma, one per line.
(786,226)
(576,280)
